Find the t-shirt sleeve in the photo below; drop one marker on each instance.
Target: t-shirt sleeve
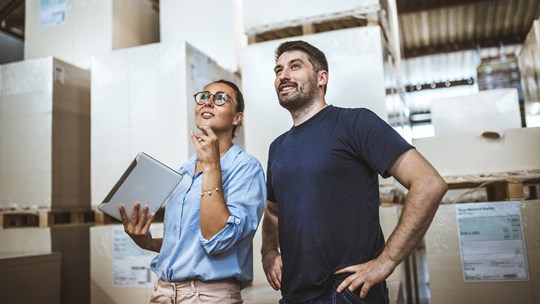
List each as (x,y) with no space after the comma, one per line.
(269,188)
(376,141)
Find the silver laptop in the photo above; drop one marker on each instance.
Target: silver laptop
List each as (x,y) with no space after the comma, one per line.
(146,181)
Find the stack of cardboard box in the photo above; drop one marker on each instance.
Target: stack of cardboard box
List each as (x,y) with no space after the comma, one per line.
(475,160)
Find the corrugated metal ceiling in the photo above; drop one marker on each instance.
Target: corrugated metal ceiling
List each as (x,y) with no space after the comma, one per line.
(12,17)
(441,26)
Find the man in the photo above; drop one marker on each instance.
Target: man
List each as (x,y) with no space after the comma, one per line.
(322,241)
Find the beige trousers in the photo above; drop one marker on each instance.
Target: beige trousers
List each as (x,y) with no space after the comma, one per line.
(197,291)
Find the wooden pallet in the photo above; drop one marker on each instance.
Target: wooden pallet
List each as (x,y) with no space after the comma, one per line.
(391,195)
(499,187)
(313,27)
(43,217)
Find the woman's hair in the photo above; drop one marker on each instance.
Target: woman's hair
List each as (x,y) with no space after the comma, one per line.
(238,97)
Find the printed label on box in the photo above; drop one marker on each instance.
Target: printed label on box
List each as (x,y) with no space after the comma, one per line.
(59,74)
(131,264)
(492,242)
(52,13)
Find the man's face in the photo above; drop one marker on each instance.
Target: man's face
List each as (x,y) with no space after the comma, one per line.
(296,80)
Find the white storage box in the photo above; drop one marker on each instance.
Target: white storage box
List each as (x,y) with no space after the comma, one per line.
(472,153)
(446,279)
(491,110)
(30,278)
(72,241)
(75,30)
(142,100)
(219,32)
(44,135)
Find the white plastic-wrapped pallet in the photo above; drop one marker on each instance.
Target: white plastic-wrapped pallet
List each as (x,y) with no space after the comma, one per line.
(76,30)
(260,15)
(44,135)
(213,27)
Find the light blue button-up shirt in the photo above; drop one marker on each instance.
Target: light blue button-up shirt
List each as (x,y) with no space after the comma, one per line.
(185,253)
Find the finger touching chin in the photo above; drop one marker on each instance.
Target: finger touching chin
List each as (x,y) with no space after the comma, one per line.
(202,124)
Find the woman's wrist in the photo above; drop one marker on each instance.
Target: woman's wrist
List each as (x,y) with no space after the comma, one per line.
(211,166)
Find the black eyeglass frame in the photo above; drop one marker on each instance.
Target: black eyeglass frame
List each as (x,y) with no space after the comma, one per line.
(219,103)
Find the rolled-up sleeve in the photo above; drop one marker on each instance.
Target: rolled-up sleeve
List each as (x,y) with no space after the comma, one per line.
(245,194)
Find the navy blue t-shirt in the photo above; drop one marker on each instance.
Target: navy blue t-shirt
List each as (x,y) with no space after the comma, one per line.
(323,175)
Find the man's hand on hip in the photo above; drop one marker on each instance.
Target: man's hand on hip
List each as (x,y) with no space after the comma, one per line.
(365,275)
(272,266)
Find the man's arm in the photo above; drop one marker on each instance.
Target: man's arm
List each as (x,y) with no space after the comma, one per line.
(271,258)
(426,189)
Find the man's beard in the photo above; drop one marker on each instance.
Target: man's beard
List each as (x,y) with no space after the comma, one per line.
(299,99)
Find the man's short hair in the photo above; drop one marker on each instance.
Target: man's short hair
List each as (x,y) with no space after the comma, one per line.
(315,56)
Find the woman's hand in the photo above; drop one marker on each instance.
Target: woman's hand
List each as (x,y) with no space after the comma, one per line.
(138,226)
(207,145)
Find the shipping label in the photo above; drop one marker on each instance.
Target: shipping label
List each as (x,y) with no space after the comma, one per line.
(492,242)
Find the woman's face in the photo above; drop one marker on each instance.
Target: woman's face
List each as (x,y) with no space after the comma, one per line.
(220,118)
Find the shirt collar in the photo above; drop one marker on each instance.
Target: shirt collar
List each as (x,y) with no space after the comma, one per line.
(226,160)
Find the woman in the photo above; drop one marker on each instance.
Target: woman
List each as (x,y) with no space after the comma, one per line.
(205,255)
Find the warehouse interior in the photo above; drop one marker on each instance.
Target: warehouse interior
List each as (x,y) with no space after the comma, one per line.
(85,85)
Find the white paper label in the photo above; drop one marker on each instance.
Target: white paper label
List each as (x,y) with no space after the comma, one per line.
(59,74)
(52,13)
(491,241)
(131,264)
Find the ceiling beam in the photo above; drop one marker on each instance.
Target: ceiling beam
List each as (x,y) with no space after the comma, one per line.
(404,8)
(8,8)
(13,32)
(15,20)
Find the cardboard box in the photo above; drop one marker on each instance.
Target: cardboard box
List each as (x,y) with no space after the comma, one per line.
(492,110)
(355,59)
(71,241)
(142,100)
(44,135)
(472,153)
(112,251)
(446,279)
(33,278)
(75,31)
(220,36)
(25,241)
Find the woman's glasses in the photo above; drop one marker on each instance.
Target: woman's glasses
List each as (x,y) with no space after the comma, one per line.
(219,99)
